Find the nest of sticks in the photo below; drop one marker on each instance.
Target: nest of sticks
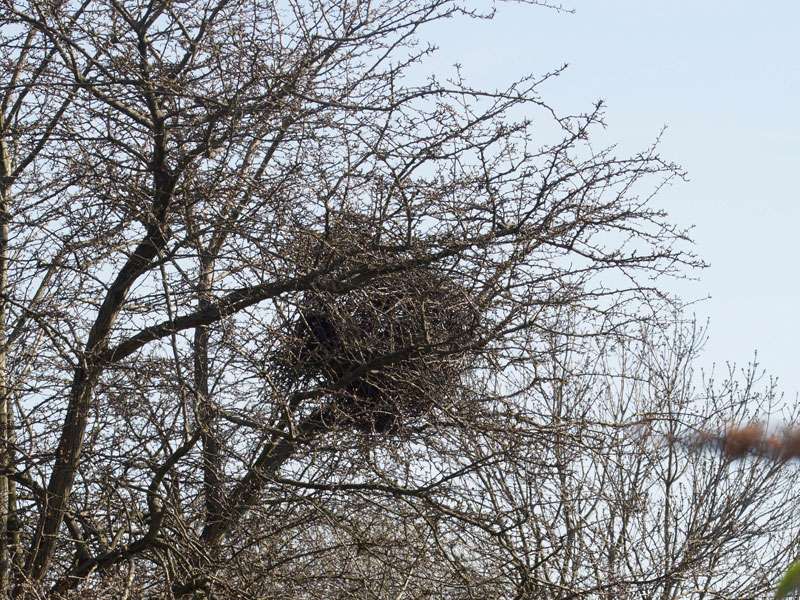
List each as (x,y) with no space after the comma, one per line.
(387,350)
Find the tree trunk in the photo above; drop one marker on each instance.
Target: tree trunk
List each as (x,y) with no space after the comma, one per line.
(5,429)
(212,481)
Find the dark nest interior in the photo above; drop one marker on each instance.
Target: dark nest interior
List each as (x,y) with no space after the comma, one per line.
(385,352)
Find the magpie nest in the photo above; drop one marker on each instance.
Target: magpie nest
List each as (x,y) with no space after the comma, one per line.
(387,351)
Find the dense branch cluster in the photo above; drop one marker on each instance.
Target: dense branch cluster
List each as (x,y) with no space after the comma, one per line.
(388,350)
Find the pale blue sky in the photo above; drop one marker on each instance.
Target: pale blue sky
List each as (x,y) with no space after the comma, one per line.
(724,75)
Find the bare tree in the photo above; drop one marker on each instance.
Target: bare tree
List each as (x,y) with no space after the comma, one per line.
(608,500)
(274,317)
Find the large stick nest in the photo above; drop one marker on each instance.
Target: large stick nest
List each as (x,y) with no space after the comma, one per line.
(388,351)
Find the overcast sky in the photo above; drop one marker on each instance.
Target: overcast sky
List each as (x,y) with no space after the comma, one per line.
(724,76)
